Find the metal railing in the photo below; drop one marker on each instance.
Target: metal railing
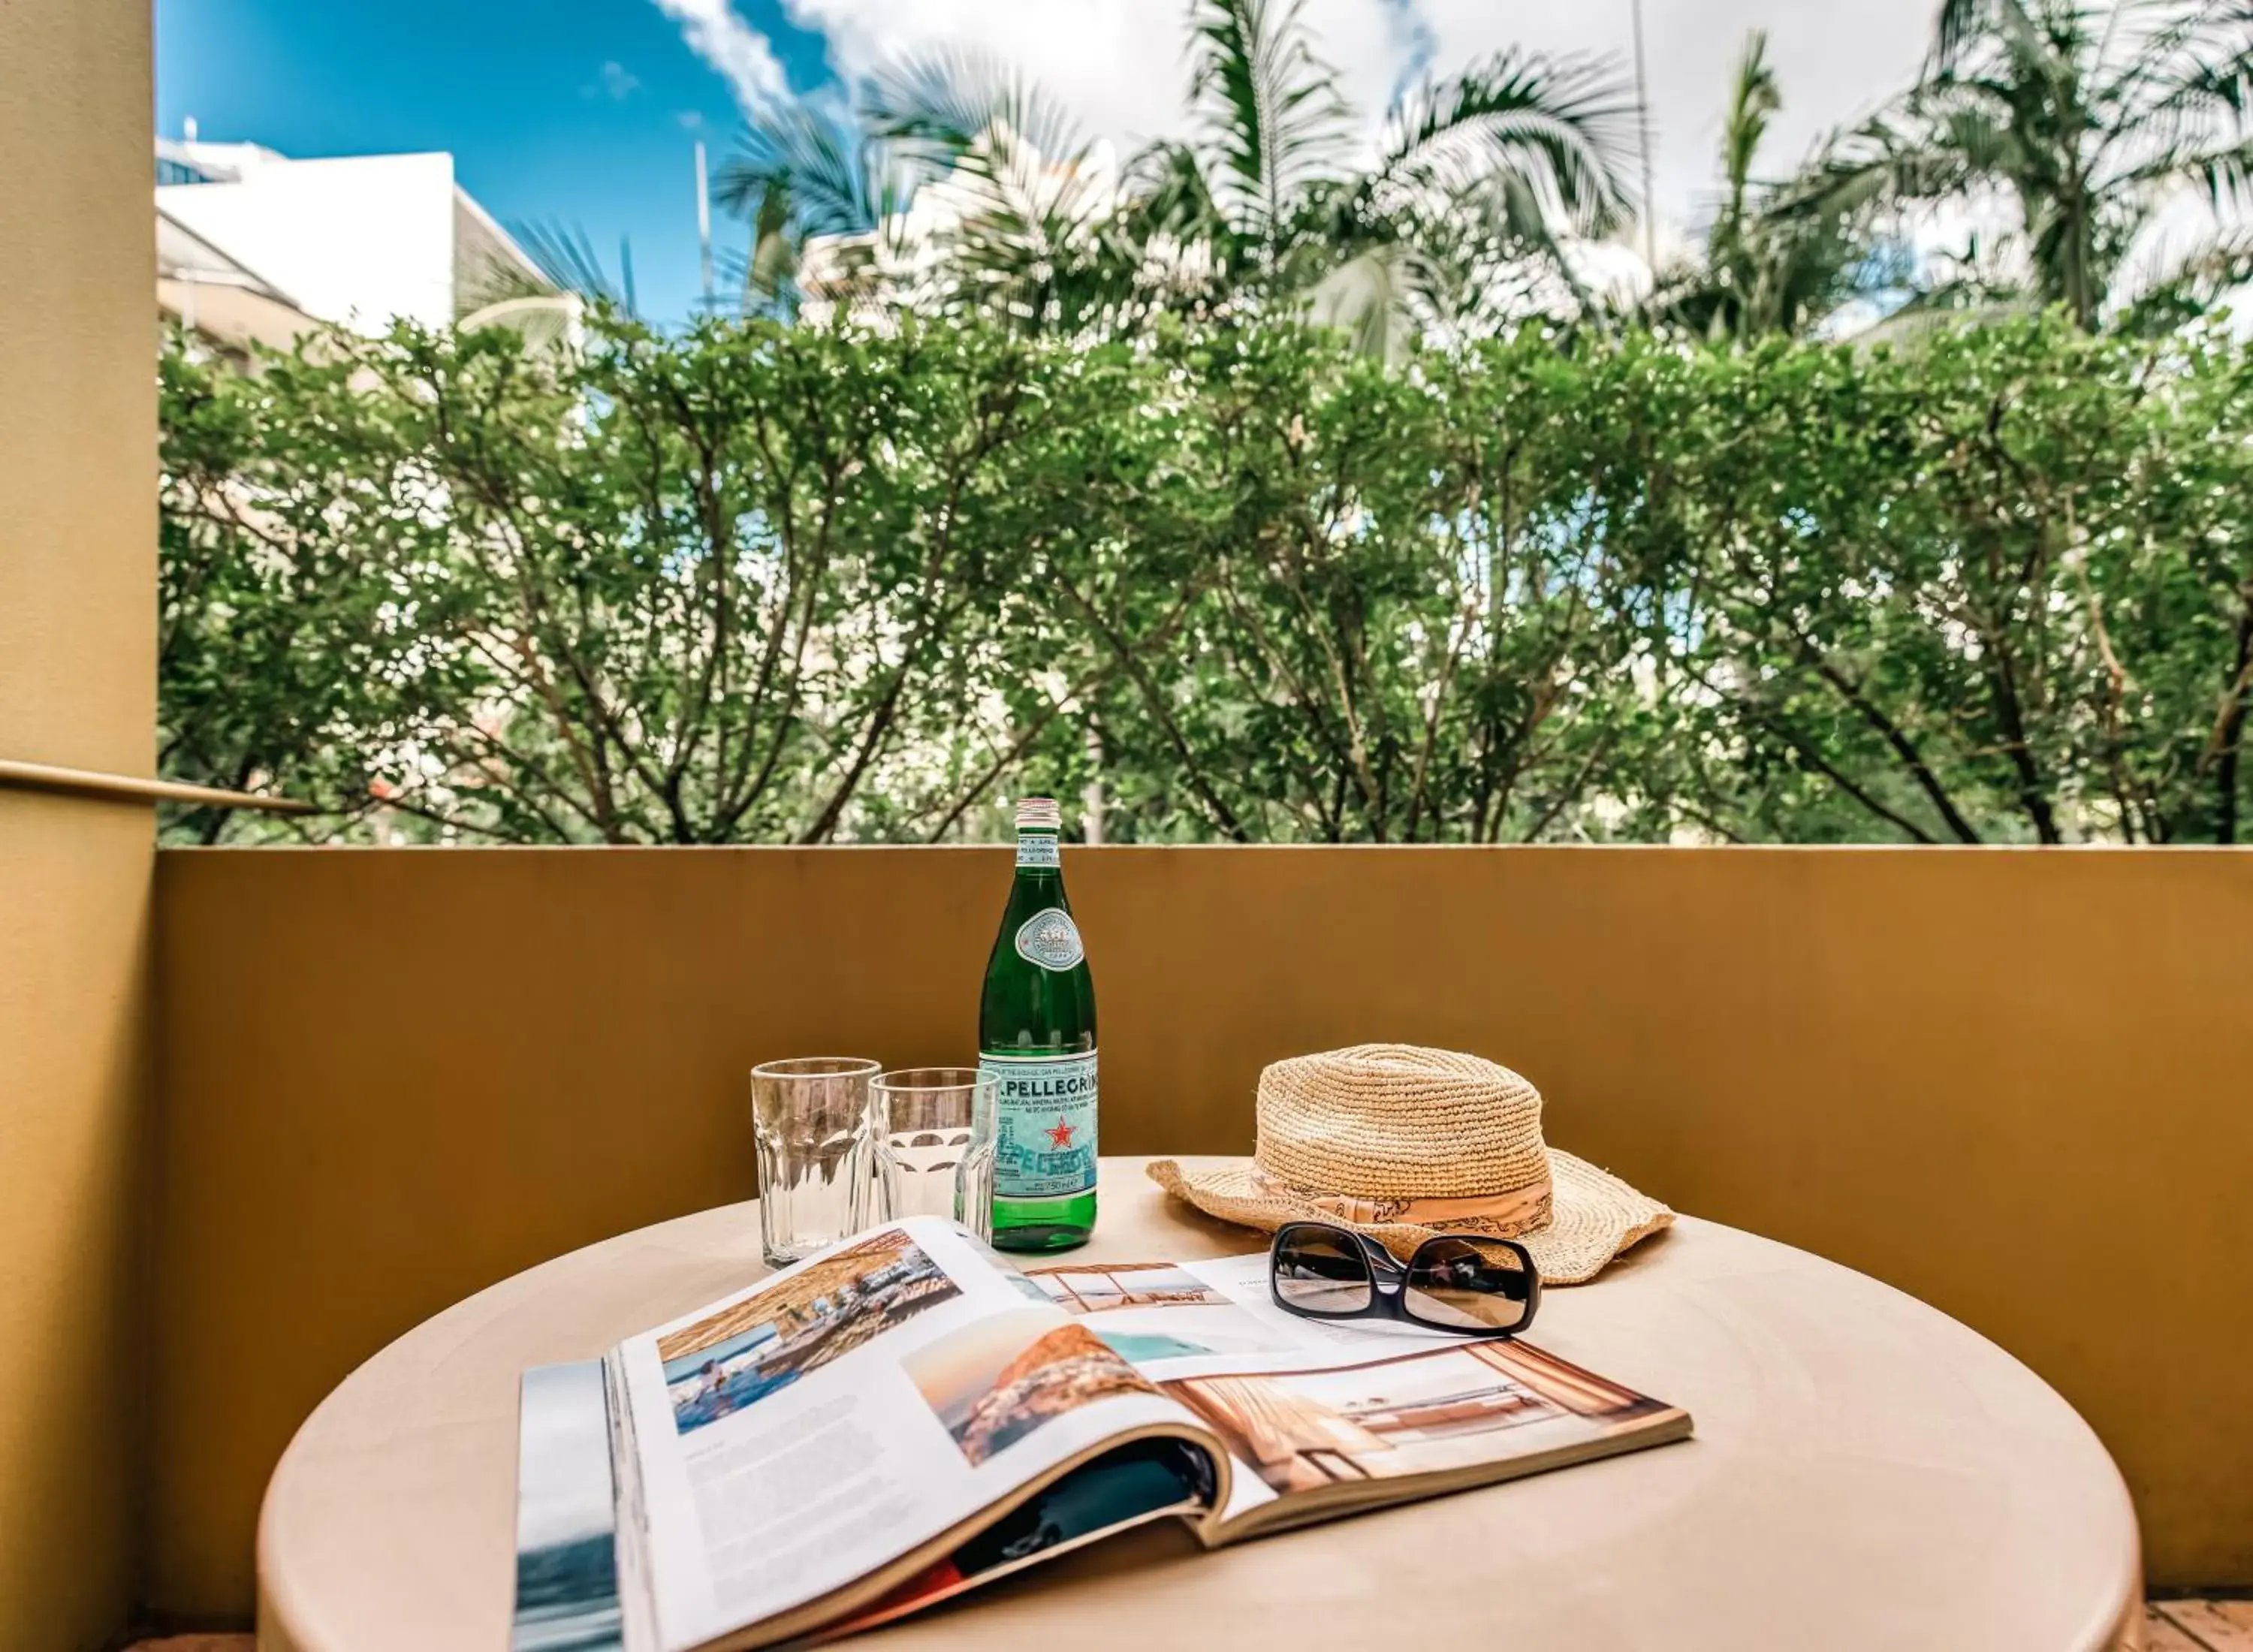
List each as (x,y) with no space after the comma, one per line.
(119,788)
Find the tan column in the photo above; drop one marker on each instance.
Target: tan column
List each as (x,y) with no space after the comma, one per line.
(77,675)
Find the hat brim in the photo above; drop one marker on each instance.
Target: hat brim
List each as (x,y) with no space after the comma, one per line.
(1594,1216)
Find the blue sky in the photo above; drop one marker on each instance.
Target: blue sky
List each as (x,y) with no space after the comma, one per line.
(583,111)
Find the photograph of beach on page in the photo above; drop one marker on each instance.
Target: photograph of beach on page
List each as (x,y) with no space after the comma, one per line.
(806,1319)
(1429,1413)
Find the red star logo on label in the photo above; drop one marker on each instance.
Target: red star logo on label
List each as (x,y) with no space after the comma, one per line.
(1060,1134)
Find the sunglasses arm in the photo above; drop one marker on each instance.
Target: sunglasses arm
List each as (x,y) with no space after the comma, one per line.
(1388,1267)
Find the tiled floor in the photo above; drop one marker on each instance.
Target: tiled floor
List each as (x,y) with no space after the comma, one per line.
(2169,1626)
(2198,1626)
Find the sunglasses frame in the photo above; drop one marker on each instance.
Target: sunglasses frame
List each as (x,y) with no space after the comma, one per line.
(1386,1269)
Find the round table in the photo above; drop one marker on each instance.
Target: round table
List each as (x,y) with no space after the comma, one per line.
(1866,1473)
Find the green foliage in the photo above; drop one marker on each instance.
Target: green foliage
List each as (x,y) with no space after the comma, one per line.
(759,583)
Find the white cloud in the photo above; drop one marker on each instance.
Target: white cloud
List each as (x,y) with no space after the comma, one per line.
(717,33)
(614,81)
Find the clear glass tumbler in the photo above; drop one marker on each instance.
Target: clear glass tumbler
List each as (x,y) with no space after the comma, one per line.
(810,1118)
(935,1143)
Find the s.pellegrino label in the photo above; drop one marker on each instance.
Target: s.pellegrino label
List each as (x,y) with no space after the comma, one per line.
(1036,1041)
(1045,1145)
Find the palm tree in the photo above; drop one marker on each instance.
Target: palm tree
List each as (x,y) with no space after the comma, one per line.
(802,173)
(1762,271)
(1260,207)
(2093,121)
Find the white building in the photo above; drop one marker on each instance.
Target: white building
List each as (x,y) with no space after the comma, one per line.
(253,244)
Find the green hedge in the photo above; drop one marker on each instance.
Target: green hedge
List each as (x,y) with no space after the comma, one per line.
(760,584)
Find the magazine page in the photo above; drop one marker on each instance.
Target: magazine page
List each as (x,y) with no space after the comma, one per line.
(1179,1319)
(815,1428)
(1341,1411)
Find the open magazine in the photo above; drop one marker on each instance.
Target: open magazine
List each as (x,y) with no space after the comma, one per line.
(908,1415)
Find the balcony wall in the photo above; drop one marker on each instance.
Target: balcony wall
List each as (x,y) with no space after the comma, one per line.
(2012,1083)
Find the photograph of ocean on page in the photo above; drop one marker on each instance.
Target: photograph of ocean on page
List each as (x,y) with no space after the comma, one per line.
(566,1574)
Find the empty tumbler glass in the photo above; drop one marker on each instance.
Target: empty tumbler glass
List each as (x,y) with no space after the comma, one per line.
(810,1116)
(935,1144)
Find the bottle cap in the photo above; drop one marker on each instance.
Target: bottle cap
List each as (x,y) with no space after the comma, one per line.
(1041,814)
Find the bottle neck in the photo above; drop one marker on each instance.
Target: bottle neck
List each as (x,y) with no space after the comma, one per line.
(1038,856)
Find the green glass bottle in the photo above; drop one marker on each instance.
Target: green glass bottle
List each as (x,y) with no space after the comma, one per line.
(1036,1036)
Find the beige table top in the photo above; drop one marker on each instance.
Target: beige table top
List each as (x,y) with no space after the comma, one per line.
(1867,1474)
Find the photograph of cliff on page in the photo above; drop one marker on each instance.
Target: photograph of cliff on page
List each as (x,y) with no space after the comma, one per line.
(907,1415)
(994,1381)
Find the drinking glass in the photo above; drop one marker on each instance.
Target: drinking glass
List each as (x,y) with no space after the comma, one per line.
(935,1130)
(810,1116)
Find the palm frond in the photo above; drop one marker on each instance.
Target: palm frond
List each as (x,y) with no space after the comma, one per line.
(1558,125)
(1270,109)
(937,107)
(2222,172)
(1755,100)
(2198,61)
(1016,199)
(800,172)
(831,180)
(1876,167)
(566,256)
(2168,297)
(1965,27)
(1166,186)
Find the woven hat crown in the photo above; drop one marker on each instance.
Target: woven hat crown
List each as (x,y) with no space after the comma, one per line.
(1395,1121)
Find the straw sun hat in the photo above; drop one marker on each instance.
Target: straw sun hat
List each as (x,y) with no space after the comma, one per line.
(1401,1142)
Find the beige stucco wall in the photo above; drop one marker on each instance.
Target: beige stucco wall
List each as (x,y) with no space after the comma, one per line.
(2013,1083)
(77,626)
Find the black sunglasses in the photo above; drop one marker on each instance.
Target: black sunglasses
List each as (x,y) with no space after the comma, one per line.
(1455,1282)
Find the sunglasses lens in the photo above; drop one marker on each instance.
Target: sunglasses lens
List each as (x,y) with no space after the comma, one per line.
(1468,1284)
(1321,1271)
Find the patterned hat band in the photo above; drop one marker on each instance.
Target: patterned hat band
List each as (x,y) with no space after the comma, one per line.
(1506,1216)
